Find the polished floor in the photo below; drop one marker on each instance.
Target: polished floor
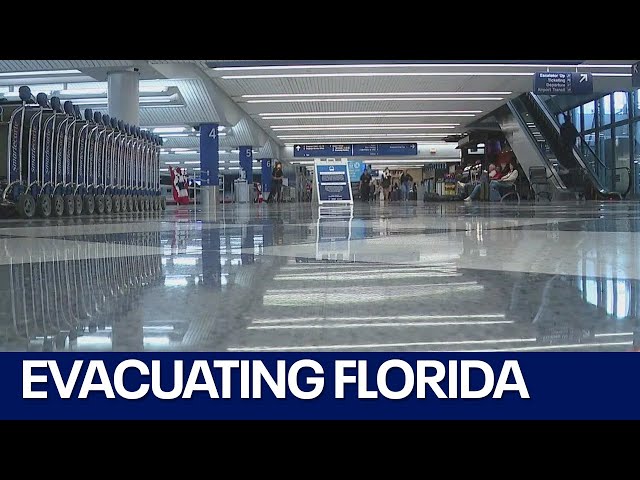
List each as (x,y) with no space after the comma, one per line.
(291,277)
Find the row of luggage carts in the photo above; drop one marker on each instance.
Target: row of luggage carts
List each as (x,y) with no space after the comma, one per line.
(54,161)
(58,294)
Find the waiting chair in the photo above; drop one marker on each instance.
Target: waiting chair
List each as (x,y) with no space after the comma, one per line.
(511,194)
(539,182)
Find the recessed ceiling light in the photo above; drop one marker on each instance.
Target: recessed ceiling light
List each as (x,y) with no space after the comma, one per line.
(379,135)
(416,65)
(169,129)
(394,112)
(192,163)
(320,116)
(40,73)
(364,126)
(347,127)
(377,99)
(370,94)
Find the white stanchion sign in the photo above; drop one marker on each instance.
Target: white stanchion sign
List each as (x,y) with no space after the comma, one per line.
(332,185)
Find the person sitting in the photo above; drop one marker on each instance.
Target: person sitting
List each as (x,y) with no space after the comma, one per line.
(497,188)
(492,174)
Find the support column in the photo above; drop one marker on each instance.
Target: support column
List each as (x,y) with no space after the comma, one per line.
(209,163)
(265,165)
(246,162)
(123,96)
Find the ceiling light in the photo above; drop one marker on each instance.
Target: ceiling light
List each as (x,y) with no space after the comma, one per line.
(40,73)
(394,112)
(152,89)
(319,116)
(380,135)
(196,168)
(192,162)
(611,74)
(364,126)
(417,65)
(172,163)
(378,99)
(164,169)
(235,151)
(186,152)
(83,91)
(377,74)
(170,135)
(169,129)
(371,94)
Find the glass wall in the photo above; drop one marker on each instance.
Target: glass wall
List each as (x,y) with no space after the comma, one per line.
(611,126)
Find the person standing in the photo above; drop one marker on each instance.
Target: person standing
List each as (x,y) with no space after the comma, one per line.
(276,183)
(386,186)
(365,185)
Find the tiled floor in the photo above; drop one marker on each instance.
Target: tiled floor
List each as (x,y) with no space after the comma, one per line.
(291,278)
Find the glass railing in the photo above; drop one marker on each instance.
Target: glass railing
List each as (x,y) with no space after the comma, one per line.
(607,177)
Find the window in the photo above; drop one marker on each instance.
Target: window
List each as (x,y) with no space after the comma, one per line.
(575,117)
(622,145)
(604,110)
(636,96)
(620,106)
(605,153)
(589,116)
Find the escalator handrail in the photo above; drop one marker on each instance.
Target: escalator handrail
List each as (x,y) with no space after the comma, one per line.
(583,140)
(580,135)
(577,154)
(548,164)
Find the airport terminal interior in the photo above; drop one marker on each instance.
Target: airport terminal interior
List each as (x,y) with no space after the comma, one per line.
(319,205)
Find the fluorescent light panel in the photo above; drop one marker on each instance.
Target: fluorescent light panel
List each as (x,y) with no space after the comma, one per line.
(387,112)
(380,135)
(377,99)
(40,73)
(363,116)
(365,127)
(415,65)
(364,94)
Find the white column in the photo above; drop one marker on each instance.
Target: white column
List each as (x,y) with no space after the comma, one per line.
(123,96)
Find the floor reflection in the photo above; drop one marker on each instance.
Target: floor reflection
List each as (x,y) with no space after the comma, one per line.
(282,277)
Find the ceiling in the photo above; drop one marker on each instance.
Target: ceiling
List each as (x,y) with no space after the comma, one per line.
(275,104)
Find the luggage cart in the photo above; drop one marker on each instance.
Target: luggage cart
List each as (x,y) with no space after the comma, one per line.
(58,123)
(67,147)
(35,174)
(12,175)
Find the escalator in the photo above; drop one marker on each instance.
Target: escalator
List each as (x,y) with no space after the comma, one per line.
(534,134)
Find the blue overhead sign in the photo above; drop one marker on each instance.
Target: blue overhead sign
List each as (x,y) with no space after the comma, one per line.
(562,83)
(635,75)
(355,150)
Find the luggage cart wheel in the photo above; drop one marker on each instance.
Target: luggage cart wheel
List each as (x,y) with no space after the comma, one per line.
(99,204)
(69,205)
(57,205)
(129,203)
(163,203)
(43,206)
(141,204)
(116,204)
(134,200)
(78,204)
(155,203)
(26,205)
(147,204)
(108,204)
(89,204)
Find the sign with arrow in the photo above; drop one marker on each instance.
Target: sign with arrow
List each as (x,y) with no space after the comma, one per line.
(355,150)
(563,83)
(635,75)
